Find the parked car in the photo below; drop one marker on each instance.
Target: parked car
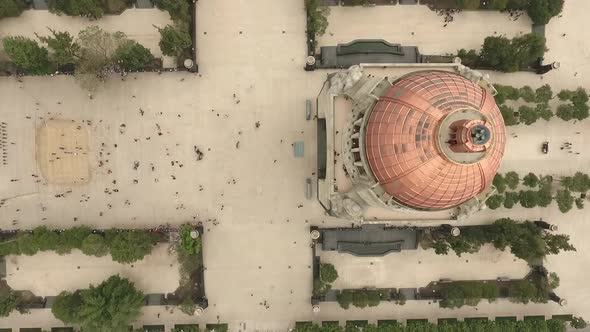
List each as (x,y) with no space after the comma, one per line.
(545,147)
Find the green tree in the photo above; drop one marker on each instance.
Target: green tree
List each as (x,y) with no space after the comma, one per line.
(94,245)
(133,56)
(87,8)
(468,4)
(328,272)
(499,4)
(579,203)
(543,94)
(528,198)
(525,291)
(530,180)
(566,112)
(67,307)
(317,16)
(179,10)
(580,182)
(72,238)
(507,55)
(9,302)
(470,59)
(11,8)
(578,323)
(528,115)
(192,246)
(508,114)
(527,93)
(62,45)
(360,299)
(495,201)
(188,306)
(555,243)
(500,183)
(544,111)
(27,55)
(565,200)
(512,180)
(510,199)
(373,298)
(110,306)
(541,11)
(174,41)
(345,299)
(131,246)
(544,197)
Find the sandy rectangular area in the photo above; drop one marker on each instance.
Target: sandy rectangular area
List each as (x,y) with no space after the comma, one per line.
(48,274)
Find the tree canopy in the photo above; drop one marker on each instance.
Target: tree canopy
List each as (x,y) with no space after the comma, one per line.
(541,11)
(328,273)
(131,246)
(27,55)
(132,56)
(110,306)
(87,8)
(62,45)
(174,40)
(509,55)
(11,8)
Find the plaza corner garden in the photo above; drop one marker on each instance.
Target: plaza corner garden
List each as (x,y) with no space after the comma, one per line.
(115,303)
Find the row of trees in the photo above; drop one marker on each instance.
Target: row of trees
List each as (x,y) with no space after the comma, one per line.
(124,246)
(574,106)
(317,21)
(95,53)
(190,259)
(543,195)
(504,54)
(525,240)
(552,325)
(540,11)
(111,306)
(362,298)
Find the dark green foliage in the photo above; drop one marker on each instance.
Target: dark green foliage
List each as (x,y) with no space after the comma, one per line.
(495,201)
(544,197)
(499,4)
(508,114)
(500,183)
(577,108)
(94,245)
(133,56)
(530,180)
(517,4)
(27,55)
(62,45)
(578,323)
(510,199)
(360,299)
(527,93)
(131,246)
(579,203)
(580,182)
(541,11)
(528,115)
(110,306)
(468,4)
(179,10)
(469,58)
(506,92)
(565,200)
(544,111)
(509,55)
(9,302)
(512,180)
(565,112)
(189,245)
(345,299)
(528,198)
(174,40)
(543,94)
(11,8)
(328,273)
(525,240)
(87,8)
(373,298)
(458,294)
(317,16)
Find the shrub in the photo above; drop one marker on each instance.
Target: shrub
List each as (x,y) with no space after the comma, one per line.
(94,245)
(317,16)
(544,111)
(544,197)
(469,58)
(528,199)
(468,4)
(87,8)
(579,203)
(510,199)
(530,180)
(578,323)
(360,299)
(541,11)
(189,245)
(179,10)
(345,299)
(11,8)
(565,200)
(131,246)
(328,273)
(500,183)
(528,115)
(27,55)
(174,41)
(543,94)
(512,180)
(527,93)
(373,298)
(133,56)
(9,302)
(495,201)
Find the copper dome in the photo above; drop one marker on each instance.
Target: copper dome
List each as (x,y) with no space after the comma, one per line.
(407,149)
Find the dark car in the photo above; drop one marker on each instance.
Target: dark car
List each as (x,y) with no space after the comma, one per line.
(545,147)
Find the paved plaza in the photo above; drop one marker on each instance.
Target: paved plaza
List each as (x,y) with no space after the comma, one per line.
(249,189)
